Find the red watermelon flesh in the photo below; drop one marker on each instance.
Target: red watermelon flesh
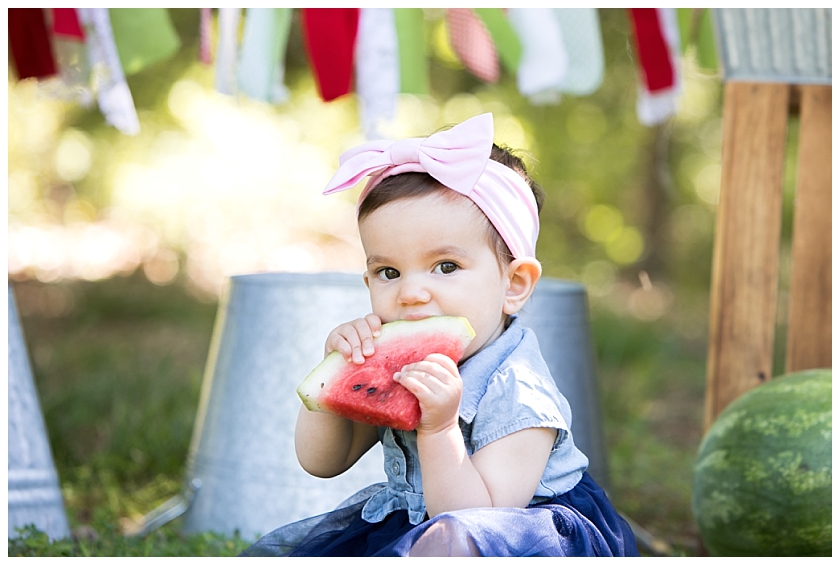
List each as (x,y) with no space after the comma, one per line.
(367,393)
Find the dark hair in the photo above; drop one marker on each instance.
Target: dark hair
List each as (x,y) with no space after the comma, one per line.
(407,185)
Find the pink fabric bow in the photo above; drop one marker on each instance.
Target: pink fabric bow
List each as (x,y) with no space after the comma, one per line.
(458,158)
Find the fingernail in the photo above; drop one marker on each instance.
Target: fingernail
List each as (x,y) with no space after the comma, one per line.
(396,376)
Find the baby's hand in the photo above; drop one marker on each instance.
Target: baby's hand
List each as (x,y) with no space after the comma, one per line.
(436,383)
(354,340)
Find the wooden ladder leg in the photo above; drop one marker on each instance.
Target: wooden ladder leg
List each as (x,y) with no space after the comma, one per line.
(746,254)
(809,314)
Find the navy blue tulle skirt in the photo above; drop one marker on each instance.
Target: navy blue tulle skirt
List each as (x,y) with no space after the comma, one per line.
(581,522)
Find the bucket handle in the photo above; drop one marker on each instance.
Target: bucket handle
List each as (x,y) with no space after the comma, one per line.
(168,511)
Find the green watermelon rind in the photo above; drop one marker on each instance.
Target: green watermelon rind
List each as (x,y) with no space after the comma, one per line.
(310,389)
(733,493)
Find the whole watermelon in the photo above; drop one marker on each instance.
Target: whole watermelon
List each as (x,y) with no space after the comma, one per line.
(762,480)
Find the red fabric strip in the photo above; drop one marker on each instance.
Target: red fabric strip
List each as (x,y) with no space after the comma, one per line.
(330,38)
(652,49)
(30,43)
(66,23)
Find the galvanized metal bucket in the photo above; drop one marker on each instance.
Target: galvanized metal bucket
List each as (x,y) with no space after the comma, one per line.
(34,494)
(242,474)
(269,334)
(558,312)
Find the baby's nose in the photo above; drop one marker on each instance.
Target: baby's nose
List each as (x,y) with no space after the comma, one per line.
(412,291)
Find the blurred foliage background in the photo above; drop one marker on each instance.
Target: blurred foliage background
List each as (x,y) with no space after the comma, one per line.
(118,247)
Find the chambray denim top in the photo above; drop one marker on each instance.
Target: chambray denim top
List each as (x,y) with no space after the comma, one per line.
(507,387)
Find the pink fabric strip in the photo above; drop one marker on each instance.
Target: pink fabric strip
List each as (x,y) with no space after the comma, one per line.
(458,158)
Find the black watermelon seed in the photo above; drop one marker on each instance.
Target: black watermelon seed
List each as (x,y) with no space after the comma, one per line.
(371,390)
(357,387)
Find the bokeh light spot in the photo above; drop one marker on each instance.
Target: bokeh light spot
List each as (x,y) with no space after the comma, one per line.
(74,156)
(603,223)
(627,247)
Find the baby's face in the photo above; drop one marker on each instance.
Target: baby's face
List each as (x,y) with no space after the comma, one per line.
(430,256)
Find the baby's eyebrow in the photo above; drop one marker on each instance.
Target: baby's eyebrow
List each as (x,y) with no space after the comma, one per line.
(377,260)
(445,251)
(448,250)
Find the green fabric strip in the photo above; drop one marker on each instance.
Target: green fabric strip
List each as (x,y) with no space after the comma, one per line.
(685,19)
(702,37)
(706,46)
(504,37)
(411,42)
(143,36)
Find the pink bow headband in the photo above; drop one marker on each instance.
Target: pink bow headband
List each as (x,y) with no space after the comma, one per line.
(458,158)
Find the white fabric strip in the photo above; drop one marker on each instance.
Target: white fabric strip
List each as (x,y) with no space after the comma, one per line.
(377,69)
(112,93)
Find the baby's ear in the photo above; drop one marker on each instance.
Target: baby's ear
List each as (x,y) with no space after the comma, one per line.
(523,275)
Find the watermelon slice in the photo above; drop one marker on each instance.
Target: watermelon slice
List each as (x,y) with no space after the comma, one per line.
(367,393)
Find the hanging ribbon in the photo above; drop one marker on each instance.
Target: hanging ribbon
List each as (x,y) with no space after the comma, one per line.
(30,44)
(112,93)
(73,81)
(656,35)
(377,69)
(585,49)
(205,36)
(225,71)
(542,70)
(143,36)
(412,50)
(505,39)
(261,66)
(330,38)
(472,43)
(66,24)
(696,30)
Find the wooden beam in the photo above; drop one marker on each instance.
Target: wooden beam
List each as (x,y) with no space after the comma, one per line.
(745,266)
(809,315)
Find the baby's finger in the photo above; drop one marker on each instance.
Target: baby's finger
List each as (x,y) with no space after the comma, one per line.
(365,335)
(375,323)
(445,362)
(444,372)
(340,343)
(416,383)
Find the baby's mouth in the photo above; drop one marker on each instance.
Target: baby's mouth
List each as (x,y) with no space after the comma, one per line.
(416,316)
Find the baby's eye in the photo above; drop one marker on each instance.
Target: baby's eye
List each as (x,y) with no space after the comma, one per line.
(446,268)
(387,273)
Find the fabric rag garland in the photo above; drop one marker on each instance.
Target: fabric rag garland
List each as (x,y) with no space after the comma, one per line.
(83,54)
(377,53)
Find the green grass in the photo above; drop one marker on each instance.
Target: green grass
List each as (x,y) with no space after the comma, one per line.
(118,366)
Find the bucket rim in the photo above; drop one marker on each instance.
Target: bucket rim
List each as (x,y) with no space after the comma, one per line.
(545,284)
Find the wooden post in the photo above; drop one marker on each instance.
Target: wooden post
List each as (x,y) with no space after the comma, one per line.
(809,315)
(745,266)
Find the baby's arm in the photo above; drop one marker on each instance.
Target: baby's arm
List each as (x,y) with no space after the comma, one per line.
(506,472)
(327,445)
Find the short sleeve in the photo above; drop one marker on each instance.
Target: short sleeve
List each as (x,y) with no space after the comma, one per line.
(517,398)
